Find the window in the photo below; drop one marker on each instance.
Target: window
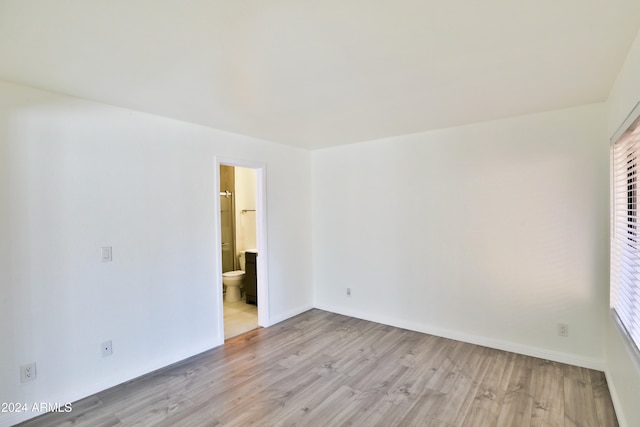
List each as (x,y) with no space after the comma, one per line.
(625,234)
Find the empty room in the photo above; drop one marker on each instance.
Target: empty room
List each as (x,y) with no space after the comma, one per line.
(296,213)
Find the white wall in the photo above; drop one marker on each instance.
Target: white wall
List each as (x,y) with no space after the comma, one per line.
(490,233)
(245,189)
(623,374)
(77,175)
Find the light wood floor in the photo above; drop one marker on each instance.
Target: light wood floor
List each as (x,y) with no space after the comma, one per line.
(323,369)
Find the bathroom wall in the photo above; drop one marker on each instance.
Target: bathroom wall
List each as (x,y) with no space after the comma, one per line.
(623,370)
(227,218)
(77,175)
(245,183)
(490,233)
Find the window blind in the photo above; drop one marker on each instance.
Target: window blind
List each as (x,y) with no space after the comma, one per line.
(625,232)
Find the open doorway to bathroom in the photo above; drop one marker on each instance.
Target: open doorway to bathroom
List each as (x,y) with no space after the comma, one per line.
(239,235)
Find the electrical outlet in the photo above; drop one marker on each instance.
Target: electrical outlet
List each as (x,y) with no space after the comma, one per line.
(107,348)
(28,372)
(348,292)
(563,330)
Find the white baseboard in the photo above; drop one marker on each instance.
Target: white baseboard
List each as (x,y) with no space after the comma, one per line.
(288,314)
(7,420)
(617,406)
(472,339)
(10,419)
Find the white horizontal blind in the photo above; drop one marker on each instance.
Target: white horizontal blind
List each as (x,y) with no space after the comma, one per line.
(625,236)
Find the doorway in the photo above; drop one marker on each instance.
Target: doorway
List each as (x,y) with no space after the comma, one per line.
(241,247)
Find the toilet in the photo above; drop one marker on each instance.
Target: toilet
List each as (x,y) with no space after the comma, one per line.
(234,280)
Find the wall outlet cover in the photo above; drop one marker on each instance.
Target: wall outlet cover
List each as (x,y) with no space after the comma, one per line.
(563,330)
(107,348)
(28,372)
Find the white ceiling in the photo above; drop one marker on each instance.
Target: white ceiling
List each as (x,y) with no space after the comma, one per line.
(321,73)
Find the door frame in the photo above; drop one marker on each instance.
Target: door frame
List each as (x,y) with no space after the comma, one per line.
(261,240)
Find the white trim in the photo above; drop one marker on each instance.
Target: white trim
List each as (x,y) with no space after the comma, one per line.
(617,406)
(556,356)
(262,261)
(7,420)
(631,348)
(634,353)
(261,238)
(619,134)
(289,314)
(217,243)
(631,117)
(11,419)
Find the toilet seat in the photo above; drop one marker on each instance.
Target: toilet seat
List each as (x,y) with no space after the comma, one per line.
(235,273)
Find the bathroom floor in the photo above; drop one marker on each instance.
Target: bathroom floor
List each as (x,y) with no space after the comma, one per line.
(239,317)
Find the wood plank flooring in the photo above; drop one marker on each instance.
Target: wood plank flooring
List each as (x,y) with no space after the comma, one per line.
(324,369)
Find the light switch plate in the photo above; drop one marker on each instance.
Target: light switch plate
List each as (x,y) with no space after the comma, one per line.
(106,254)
